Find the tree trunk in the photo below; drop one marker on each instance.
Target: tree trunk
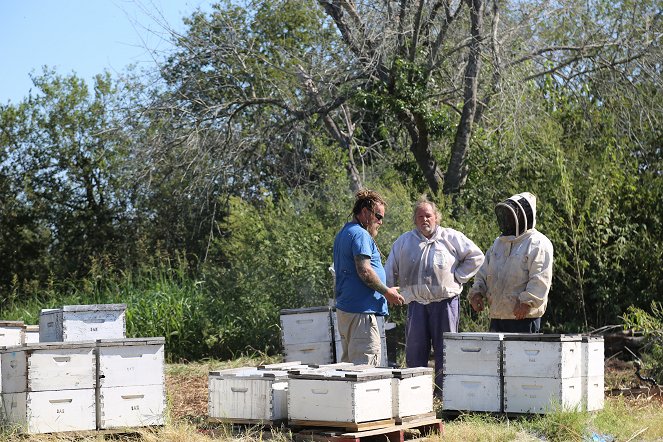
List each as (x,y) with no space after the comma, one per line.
(457,171)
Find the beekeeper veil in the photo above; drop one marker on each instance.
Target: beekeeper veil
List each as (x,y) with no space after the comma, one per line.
(516,214)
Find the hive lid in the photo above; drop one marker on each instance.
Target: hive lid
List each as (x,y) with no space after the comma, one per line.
(119,342)
(359,373)
(93,307)
(249,373)
(404,373)
(542,337)
(294,311)
(19,324)
(36,346)
(474,336)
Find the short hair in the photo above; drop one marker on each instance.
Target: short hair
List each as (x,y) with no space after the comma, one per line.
(422,201)
(367,198)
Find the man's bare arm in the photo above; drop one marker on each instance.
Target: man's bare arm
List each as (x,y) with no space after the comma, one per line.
(371,279)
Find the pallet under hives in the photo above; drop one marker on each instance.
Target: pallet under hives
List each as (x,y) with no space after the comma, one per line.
(412,427)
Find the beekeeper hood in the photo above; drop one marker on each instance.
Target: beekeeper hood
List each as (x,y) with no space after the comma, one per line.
(516,214)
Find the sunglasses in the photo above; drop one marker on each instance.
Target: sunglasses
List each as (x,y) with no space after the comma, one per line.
(377,215)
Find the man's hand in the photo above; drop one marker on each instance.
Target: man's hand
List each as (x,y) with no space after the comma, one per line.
(476,301)
(393,297)
(521,310)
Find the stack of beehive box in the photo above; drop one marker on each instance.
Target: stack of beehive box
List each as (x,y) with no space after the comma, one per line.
(522,373)
(311,335)
(472,372)
(12,333)
(131,384)
(84,375)
(49,387)
(338,394)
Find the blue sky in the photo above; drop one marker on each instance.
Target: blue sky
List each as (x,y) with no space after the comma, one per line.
(82,36)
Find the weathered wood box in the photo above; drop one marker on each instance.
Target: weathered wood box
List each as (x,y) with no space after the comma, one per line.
(50,411)
(472,393)
(338,396)
(130,382)
(338,347)
(307,335)
(477,354)
(48,366)
(412,392)
(12,333)
(248,395)
(544,356)
(49,387)
(541,395)
(82,322)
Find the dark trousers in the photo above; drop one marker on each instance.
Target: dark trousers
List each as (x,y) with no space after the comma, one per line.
(425,325)
(532,325)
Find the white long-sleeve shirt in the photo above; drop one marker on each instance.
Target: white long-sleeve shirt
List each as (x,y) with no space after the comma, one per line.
(430,270)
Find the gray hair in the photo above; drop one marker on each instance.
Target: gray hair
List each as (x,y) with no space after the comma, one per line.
(423,201)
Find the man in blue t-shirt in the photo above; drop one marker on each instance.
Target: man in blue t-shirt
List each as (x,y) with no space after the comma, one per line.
(360,288)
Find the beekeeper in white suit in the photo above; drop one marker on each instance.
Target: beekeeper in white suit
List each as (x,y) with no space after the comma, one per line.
(516,275)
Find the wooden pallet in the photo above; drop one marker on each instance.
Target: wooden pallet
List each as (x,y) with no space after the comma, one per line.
(394,433)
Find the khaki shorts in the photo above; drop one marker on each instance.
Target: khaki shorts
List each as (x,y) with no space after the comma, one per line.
(360,338)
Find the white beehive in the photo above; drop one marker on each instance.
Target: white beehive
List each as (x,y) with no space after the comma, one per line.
(50,366)
(50,411)
(337,396)
(541,395)
(412,392)
(31,334)
(12,333)
(544,356)
(592,350)
(82,322)
(248,395)
(477,354)
(593,370)
(49,387)
(130,382)
(472,393)
(384,359)
(131,406)
(593,393)
(307,335)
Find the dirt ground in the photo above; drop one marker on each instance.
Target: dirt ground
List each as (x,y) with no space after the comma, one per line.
(188,394)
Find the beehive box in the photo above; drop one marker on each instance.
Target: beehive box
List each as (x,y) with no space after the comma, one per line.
(338,347)
(593,371)
(49,387)
(412,392)
(541,395)
(307,335)
(545,356)
(48,366)
(131,406)
(592,351)
(12,333)
(477,354)
(32,334)
(82,322)
(472,393)
(593,392)
(133,361)
(248,394)
(50,411)
(130,382)
(338,396)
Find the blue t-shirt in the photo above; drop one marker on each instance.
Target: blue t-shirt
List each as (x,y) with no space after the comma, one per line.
(352,295)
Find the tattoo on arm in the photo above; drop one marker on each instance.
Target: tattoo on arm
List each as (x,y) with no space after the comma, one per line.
(368,275)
